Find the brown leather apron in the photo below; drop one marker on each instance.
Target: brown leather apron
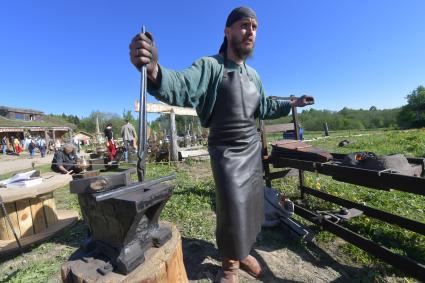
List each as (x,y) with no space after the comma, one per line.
(235,150)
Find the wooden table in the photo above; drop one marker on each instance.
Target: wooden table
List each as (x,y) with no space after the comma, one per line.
(32,211)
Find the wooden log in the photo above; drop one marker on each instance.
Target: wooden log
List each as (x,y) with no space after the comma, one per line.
(164,264)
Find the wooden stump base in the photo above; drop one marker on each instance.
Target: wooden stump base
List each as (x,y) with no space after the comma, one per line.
(164,264)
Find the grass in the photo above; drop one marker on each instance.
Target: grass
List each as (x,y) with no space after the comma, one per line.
(192,207)
(401,241)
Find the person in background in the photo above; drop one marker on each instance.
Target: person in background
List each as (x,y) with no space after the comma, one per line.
(65,160)
(22,138)
(4,144)
(17,146)
(57,145)
(128,134)
(110,142)
(42,146)
(31,147)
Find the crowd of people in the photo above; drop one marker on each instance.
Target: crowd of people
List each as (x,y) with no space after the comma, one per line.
(15,145)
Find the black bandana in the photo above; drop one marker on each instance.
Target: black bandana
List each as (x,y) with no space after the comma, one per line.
(234,16)
(239,14)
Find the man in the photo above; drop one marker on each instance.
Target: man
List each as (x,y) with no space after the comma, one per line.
(228,97)
(65,160)
(128,134)
(31,147)
(110,142)
(42,146)
(4,144)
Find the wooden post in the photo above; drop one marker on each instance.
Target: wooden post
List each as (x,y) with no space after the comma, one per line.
(173,135)
(297,137)
(54,139)
(46,138)
(326,129)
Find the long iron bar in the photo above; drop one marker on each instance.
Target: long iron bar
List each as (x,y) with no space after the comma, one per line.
(142,124)
(131,188)
(390,218)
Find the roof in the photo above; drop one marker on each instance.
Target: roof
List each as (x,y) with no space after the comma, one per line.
(4,122)
(21,110)
(83,135)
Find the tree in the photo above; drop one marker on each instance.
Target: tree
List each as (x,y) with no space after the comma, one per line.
(412,114)
(416,99)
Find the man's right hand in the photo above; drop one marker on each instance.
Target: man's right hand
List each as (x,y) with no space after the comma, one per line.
(144,52)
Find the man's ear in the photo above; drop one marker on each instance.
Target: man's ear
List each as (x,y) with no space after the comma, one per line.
(227,32)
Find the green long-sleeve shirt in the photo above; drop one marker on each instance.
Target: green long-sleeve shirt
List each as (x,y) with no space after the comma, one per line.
(197,87)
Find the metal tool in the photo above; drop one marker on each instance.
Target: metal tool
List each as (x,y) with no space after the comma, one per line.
(142,148)
(131,188)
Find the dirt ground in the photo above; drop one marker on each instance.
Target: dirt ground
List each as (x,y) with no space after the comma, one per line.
(12,163)
(286,261)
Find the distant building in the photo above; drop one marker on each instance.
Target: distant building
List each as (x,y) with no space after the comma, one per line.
(21,123)
(21,113)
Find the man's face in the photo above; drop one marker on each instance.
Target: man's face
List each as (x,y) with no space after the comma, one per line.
(241,37)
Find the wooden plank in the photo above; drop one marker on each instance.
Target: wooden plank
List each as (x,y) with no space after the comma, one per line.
(38,215)
(23,210)
(11,210)
(4,231)
(278,128)
(49,207)
(165,108)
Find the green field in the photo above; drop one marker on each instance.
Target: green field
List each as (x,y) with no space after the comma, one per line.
(191,208)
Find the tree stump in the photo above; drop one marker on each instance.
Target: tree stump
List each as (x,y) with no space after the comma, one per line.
(164,264)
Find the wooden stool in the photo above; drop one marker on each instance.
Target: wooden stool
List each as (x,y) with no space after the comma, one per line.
(32,211)
(164,264)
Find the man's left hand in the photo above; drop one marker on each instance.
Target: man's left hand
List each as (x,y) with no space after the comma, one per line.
(303,101)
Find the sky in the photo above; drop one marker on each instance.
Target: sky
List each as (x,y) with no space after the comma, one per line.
(72,57)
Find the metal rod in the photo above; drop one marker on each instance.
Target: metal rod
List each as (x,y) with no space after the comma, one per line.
(390,218)
(142,123)
(292,97)
(132,188)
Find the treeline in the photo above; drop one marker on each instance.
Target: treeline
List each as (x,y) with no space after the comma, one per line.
(407,116)
(411,115)
(345,119)
(184,125)
(88,124)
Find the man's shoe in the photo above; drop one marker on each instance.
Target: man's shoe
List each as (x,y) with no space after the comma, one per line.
(228,272)
(251,266)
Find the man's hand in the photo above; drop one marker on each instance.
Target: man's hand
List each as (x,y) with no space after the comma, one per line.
(303,101)
(144,52)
